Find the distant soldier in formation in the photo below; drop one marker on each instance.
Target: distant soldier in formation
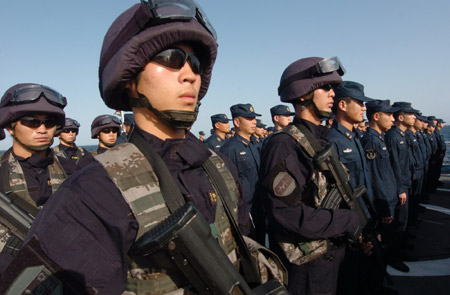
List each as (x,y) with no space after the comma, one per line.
(106,128)
(241,151)
(400,155)
(30,172)
(221,127)
(71,156)
(201,135)
(128,126)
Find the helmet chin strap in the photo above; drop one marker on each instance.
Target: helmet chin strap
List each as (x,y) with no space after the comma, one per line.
(173,118)
(321,114)
(35,148)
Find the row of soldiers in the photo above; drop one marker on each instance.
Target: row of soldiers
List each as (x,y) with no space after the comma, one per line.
(107,229)
(397,155)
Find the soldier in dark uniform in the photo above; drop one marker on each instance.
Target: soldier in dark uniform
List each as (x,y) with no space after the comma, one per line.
(348,110)
(71,156)
(384,187)
(432,163)
(258,137)
(201,136)
(221,126)
(291,184)
(400,155)
(30,172)
(106,128)
(159,66)
(241,151)
(418,168)
(128,126)
(440,153)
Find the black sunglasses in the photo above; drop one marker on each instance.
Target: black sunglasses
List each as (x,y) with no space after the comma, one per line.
(73,130)
(175,58)
(327,87)
(36,122)
(109,130)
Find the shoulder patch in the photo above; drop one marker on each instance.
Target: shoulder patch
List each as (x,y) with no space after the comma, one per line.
(371,154)
(283,184)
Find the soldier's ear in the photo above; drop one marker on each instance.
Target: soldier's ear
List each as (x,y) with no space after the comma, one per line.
(131,89)
(342,105)
(376,116)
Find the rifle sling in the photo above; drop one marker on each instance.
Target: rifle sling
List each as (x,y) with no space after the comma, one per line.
(249,268)
(169,189)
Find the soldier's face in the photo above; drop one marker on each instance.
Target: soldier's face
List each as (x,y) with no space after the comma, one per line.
(168,88)
(354,110)
(30,136)
(385,121)
(247,126)
(68,137)
(107,137)
(223,127)
(409,119)
(282,120)
(323,99)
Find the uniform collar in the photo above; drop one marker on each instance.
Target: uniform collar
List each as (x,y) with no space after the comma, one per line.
(241,139)
(190,150)
(339,127)
(37,161)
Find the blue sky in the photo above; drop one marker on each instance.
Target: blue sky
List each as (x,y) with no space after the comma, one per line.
(398,49)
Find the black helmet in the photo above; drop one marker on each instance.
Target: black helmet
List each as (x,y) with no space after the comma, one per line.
(144,30)
(29,98)
(307,74)
(104,121)
(68,124)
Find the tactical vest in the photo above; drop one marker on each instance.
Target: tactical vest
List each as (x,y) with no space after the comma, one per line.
(135,178)
(18,191)
(61,153)
(302,252)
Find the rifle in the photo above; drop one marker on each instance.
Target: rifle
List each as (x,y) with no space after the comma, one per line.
(13,217)
(184,238)
(354,199)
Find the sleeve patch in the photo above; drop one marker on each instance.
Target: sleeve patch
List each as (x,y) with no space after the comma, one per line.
(283,184)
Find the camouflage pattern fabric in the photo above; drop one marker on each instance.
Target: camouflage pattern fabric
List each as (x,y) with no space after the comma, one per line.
(8,241)
(60,153)
(139,185)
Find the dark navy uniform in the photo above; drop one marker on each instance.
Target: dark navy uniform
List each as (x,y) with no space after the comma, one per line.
(290,211)
(384,187)
(89,218)
(351,154)
(399,152)
(246,157)
(214,142)
(417,166)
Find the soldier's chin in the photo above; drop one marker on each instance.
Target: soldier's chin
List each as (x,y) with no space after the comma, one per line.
(110,145)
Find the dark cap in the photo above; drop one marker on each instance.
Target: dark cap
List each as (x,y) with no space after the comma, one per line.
(350,89)
(281,110)
(405,107)
(431,118)
(431,123)
(221,118)
(243,110)
(260,124)
(201,133)
(383,106)
(440,121)
(128,119)
(421,118)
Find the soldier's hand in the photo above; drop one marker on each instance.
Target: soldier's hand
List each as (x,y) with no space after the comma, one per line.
(366,247)
(402,198)
(386,220)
